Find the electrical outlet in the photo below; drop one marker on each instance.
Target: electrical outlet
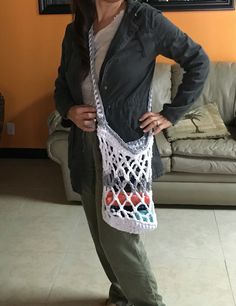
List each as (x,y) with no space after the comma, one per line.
(11,128)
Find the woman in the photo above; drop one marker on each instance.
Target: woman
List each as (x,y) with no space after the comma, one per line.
(128,36)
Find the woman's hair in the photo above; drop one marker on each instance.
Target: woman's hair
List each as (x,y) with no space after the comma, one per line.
(83,15)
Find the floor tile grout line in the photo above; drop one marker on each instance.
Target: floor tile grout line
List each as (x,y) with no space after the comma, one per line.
(219,235)
(231,288)
(225,261)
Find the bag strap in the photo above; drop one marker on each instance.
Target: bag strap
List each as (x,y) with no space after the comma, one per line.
(101,118)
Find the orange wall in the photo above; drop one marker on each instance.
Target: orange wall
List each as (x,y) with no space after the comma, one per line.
(29,56)
(30,52)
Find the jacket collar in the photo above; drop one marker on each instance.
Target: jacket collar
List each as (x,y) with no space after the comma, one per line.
(125,32)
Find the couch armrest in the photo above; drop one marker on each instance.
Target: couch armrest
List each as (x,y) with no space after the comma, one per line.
(54,123)
(57,147)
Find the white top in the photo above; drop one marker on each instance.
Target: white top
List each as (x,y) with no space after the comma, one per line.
(102,42)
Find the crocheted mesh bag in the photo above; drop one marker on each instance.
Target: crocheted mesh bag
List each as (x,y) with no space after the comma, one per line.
(127,203)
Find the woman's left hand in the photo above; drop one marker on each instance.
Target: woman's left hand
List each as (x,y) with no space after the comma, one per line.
(154,121)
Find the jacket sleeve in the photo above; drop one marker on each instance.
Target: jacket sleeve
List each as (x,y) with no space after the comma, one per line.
(177,45)
(62,96)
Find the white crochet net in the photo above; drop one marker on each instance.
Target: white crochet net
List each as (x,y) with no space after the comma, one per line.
(127,195)
(127,171)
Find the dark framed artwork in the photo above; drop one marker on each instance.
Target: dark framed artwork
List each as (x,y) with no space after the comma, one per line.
(63,6)
(191,5)
(54,6)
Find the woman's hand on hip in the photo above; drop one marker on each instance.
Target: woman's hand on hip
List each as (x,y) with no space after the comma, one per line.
(83,116)
(154,122)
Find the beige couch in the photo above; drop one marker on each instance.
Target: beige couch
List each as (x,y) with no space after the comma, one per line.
(200,171)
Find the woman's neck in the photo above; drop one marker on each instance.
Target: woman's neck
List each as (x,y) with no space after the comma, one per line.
(107,9)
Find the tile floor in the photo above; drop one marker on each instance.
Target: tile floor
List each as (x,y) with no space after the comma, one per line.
(47,256)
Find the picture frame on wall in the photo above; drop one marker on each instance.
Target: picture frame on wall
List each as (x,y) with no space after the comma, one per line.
(191,5)
(54,6)
(63,6)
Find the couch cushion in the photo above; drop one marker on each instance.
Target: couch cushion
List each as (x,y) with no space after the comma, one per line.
(220,86)
(206,148)
(203,165)
(161,86)
(205,155)
(201,122)
(184,177)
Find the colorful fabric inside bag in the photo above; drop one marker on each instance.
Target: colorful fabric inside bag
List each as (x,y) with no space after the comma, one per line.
(127,202)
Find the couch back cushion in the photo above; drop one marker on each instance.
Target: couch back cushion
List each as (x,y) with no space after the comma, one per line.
(161,86)
(220,87)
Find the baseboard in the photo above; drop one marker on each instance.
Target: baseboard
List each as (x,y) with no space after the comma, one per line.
(23,153)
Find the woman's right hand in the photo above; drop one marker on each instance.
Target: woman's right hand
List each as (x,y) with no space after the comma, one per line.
(83,116)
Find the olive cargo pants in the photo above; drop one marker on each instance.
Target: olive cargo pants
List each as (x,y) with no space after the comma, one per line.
(121,254)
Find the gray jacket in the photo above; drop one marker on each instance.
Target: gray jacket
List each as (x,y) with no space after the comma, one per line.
(126,76)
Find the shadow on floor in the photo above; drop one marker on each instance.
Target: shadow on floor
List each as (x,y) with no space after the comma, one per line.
(78,302)
(37,195)
(37,179)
